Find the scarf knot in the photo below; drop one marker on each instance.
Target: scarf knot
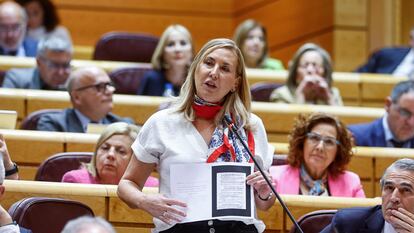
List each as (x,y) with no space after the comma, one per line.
(316,187)
(204,109)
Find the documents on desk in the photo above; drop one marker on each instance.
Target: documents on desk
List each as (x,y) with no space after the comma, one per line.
(213,190)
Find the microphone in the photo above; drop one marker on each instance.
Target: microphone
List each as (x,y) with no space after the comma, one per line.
(229,122)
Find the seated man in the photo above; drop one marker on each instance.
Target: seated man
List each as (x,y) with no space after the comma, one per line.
(90,91)
(87,224)
(395,61)
(53,67)
(396,128)
(396,214)
(13,20)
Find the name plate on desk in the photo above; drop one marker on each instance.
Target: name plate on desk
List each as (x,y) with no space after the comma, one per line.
(213,190)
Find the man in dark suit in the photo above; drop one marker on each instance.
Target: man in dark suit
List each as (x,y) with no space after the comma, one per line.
(90,91)
(395,214)
(53,67)
(13,20)
(395,61)
(396,128)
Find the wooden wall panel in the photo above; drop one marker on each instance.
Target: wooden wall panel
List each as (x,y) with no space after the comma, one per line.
(350,48)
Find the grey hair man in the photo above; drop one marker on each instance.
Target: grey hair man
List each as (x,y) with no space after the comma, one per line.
(91,91)
(88,224)
(395,214)
(54,55)
(13,20)
(396,128)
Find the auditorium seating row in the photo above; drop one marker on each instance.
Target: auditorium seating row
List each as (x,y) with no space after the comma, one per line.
(30,148)
(104,202)
(278,118)
(356,89)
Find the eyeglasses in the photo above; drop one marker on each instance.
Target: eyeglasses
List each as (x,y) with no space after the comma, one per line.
(403,112)
(315,139)
(99,87)
(56,66)
(10,28)
(313,64)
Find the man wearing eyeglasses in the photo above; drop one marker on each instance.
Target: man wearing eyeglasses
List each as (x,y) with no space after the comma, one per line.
(53,67)
(13,20)
(396,128)
(90,91)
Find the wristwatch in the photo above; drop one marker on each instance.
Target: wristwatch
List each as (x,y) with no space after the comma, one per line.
(12,171)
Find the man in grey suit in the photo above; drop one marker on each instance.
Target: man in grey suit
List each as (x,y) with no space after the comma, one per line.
(90,91)
(53,67)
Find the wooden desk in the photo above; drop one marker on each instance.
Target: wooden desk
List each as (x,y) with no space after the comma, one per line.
(105,203)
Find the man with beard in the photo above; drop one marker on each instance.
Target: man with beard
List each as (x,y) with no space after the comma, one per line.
(90,91)
(396,214)
(396,128)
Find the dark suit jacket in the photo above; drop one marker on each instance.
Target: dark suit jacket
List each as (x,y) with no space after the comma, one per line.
(24,79)
(29,45)
(370,134)
(384,61)
(153,84)
(357,220)
(67,121)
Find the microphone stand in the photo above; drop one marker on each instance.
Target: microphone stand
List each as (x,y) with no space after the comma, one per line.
(234,129)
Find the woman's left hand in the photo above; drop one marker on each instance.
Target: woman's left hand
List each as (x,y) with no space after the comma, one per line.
(259,184)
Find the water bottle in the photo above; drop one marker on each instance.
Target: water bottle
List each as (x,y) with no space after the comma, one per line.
(168,90)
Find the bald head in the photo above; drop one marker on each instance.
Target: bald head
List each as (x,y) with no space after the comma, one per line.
(88,224)
(12,25)
(84,75)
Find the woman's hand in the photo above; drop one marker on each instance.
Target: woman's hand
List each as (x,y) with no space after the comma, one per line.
(257,181)
(166,209)
(313,88)
(8,163)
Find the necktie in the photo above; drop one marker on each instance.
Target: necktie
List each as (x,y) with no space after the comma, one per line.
(397,144)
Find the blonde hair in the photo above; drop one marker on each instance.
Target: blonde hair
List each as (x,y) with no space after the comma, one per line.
(118,128)
(236,103)
(157,59)
(242,32)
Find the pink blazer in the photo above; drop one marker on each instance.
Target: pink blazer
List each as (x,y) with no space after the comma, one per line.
(287,181)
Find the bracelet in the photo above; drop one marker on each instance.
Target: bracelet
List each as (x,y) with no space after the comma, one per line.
(12,171)
(266,198)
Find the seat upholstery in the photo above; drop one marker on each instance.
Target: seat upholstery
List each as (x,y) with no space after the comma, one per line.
(30,122)
(54,167)
(279,160)
(315,221)
(125,46)
(261,91)
(47,215)
(127,80)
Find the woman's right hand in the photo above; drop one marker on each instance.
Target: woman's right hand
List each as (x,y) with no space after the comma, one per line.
(166,209)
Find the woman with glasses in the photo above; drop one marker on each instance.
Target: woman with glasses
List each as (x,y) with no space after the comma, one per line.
(171,59)
(309,80)
(110,159)
(251,38)
(319,152)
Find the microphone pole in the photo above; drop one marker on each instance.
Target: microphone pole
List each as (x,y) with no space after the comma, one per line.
(234,129)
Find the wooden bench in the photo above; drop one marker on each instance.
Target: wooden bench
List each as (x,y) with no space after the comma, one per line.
(278,118)
(105,203)
(30,148)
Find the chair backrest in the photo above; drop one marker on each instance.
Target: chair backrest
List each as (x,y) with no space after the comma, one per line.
(47,215)
(30,122)
(125,46)
(127,80)
(54,167)
(315,221)
(279,160)
(261,91)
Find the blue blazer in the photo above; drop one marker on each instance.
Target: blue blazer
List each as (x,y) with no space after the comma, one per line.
(357,220)
(67,121)
(29,45)
(370,134)
(384,61)
(153,84)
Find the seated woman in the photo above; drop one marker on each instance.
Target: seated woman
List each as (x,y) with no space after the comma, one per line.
(171,59)
(110,160)
(251,38)
(319,152)
(309,80)
(43,20)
